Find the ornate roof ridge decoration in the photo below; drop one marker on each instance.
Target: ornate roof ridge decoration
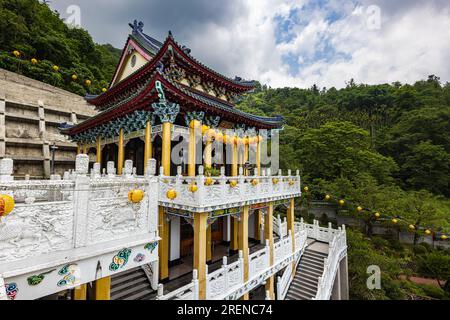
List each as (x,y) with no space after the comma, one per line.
(161,51)
(165,110)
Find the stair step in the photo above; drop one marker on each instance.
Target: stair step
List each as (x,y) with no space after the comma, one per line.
(123,294)
(313,259)
(142,295)
(316,265)
(126,279)
(125,285)
(300,296)
(304,288)
(310,270)
(305,281)
(315,254)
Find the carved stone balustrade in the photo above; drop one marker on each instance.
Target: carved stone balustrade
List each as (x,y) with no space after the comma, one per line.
(222,192)
(68,232)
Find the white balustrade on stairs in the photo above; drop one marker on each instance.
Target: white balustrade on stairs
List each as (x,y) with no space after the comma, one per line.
(187,292)
(280,226)
(337,250)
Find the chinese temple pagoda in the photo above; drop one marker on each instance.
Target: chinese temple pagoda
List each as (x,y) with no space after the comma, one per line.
(160,88)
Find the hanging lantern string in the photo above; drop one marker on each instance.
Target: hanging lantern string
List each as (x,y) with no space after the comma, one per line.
(443,234)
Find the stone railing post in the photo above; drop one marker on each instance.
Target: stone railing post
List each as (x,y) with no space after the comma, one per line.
(153,189)
(195,284)
(128,169)
(110,169)
(96,171)
(6,170)
(81,200)
(201,192)
(225,272)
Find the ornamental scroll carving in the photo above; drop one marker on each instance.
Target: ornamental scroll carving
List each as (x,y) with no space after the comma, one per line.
(165,110)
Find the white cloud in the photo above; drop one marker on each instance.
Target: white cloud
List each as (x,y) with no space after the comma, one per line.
(240,37)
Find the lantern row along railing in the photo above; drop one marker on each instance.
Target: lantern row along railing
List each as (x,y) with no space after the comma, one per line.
(72,220)
(337,250)
(202,193)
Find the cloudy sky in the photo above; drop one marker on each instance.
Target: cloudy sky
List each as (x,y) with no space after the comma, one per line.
(289,42)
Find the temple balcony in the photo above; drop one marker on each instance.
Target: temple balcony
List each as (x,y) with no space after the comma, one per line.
(213,194)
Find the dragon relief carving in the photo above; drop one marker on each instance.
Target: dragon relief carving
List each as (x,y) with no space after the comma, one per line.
(175,73)
(34,230)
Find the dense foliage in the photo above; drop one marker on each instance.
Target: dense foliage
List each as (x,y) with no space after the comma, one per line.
(36,32)
(385,149)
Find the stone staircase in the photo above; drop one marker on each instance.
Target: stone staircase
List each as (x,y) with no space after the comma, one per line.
(310,268)
(132,284)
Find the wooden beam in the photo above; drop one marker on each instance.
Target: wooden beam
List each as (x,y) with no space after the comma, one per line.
(80,292)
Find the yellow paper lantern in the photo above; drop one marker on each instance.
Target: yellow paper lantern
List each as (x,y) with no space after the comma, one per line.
(6,204)
(204,128)
(16,53)
(171,194)
(55,68)
(194,124)
(275,180)
(427,232)
(88,82)
(359,208)
(377,215)
(341,202)
(327,197)
(306,189)
(444,237)
(136,196)
(209,181)
(255,182)
(34,61)
(193,188)
(104,89)
(394,221)
(233,183)
(74,77)
(411,227)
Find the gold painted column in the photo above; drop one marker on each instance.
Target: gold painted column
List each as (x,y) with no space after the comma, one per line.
(121,153)
(246,153)
(163,247)
(80,292)
(78,148)
(208,153)
(99,150)
(103,289)
(148,143)
(257,224)
(258,154)
(193,126)
(208,244)
(243,243)
(84,148)
(166,147)
(268,235)
(200,226)
(234,245)
(234,165)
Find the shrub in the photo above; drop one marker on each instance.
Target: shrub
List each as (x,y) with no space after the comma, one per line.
(433,291)
(420,250)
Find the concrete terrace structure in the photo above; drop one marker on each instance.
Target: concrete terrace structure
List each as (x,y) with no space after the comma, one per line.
(30,115)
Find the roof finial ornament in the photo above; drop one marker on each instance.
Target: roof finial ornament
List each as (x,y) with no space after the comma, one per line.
(170,34)
(137,26)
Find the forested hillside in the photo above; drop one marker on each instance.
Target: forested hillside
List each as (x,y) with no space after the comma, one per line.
(381,154)
(35,42)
